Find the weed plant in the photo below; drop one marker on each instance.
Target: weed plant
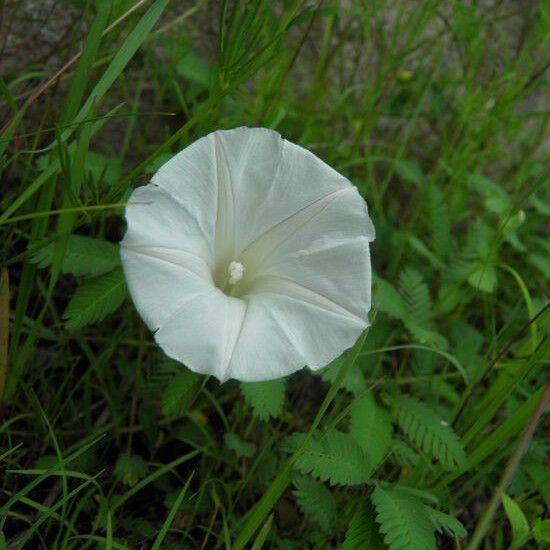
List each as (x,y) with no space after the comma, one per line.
(430,431)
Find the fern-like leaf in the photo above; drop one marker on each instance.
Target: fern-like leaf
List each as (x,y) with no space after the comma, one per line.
(419,319)
(417,297)
(95,299)
(83,256)
(242,448)
(180,392)
(363,533)
(265,398)
(336,458)
(429,432)
(412,305)
(371,427)
(388,300)
(444,522)
(402,455)
(316,502)
(403,519)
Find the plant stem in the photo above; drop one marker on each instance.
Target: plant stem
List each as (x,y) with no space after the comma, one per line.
(4,328)
(261,509)
(511,467)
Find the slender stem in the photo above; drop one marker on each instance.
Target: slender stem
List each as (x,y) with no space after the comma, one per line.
(293,61)
(4,328)
(48,213)
(262,508)
(485,521)
(471,390)
(137,375)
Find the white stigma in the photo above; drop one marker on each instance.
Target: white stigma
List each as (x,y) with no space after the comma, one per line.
(236,272)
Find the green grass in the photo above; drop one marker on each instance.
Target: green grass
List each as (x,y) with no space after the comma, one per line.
(438,112)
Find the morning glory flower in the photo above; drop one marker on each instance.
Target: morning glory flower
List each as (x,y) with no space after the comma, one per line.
(248,257)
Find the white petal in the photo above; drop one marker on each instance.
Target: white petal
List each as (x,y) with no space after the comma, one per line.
(161,283)
(191,178)
(324,247)
(156,220)
(203,331)
(337,270)
(286,329)
(269,179)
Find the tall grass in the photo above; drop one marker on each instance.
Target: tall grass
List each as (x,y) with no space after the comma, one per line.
(428,432)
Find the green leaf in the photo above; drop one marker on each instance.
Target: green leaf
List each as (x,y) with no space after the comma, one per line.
(410,172)
(541,530)
(403,519)
(102,168)
(439,217)
(336,458)
(193,68)
(541,262)
(124,54)
(363,532)
(180,392)
(130,469)
(265,398)
(354,381)
(83,69)
(496,198)
(427,430)
(171,515)
(388,300)
(445,522)
(518,521)
(419,314)
(426,336)
(483,277)
(417,297)
(371,427)
(83,256)
(316,502)
(241,448)
(403,455)
(95,299)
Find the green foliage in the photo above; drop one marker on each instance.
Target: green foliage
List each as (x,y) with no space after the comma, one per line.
(541,530)
(354,381)
(316,502)
(444,522)
(240,447)
(371,427)
(419,319)
(412,305)
(518,521)
(363,531)
(429,432)
(83,256)
(180,392)
(130,469)
(95,299)
(336,458)
(403,519)
(410,172)
(440,226)
(105,442)
(265,398)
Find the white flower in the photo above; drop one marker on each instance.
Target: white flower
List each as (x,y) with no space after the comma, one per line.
(249,257)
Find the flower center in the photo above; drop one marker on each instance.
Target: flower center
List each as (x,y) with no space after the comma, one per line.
(236,272)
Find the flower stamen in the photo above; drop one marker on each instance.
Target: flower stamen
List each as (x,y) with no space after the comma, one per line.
(236,272)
